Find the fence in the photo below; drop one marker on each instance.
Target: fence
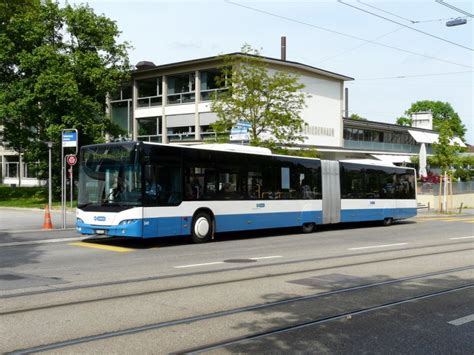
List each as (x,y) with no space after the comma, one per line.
(463,194)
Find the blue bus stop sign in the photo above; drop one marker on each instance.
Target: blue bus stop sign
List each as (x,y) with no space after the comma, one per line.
(69,139)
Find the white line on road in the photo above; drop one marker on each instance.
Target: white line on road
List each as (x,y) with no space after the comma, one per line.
(378,246)
(266,257)
(57,240)
(463,320)
(471,237)
(203,264)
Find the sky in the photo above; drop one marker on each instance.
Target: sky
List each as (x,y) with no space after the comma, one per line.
(398,52)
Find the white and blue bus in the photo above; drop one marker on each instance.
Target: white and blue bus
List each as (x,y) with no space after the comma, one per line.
(148,190)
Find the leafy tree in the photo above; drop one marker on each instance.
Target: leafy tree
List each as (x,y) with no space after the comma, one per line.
(57,66)
(356,117)
(442,112)
(404,121)
(269,102)
(445,154)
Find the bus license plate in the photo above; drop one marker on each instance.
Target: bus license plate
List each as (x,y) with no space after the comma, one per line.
(99,231)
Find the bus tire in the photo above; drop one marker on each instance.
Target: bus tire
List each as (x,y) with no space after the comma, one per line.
(308,227)
(202,228)
(387,221)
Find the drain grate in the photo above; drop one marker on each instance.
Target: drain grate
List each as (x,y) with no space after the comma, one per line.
(11,277)
(240,261)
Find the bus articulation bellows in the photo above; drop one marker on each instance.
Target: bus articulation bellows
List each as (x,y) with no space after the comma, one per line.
(148,190)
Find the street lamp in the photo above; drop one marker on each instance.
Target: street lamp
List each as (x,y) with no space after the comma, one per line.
(50,193)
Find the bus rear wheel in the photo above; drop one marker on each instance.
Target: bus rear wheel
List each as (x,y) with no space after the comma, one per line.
(387,221)
(308,227)
(202,228)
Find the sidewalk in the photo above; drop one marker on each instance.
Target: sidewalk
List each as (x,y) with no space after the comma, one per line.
(19,224)
(423,212)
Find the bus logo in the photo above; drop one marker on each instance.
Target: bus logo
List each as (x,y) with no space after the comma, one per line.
(99,218)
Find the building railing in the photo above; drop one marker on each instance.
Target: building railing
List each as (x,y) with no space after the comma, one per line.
(181,98)
(392,147)
(149,101)
(207,95)
(459,187)
(183,137)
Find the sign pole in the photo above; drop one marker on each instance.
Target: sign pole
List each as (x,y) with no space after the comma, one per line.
(69,138)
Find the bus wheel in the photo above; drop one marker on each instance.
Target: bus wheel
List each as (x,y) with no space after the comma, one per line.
(308,227)
(202,228)
(387,221)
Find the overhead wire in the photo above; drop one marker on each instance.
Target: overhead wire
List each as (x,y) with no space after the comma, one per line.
(387,12)
(452,7)
(417,75)
(345,34)
(401,24)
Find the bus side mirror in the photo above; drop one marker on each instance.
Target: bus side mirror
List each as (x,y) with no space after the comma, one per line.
(148,172)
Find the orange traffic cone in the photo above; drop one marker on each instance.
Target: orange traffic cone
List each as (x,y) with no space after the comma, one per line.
(47,219)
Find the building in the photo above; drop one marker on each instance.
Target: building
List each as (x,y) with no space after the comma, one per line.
(170,103)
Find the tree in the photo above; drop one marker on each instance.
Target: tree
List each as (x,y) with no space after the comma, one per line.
(269,103)
(404,121)
(57,66)
(445,154)
(442,112)
(356,117)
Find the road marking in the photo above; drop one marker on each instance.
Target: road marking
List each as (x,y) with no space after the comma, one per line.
(378,246)
(471,237)
(463,320)
(266,257)
(57,240)
(102,246)
(203,264)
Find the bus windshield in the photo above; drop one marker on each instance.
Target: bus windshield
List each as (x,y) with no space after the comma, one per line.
(110,175)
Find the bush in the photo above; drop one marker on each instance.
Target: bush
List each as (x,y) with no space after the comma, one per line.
(9,193)
(464,174)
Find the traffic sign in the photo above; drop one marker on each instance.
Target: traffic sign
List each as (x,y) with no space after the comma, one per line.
(69,139)
(71,159)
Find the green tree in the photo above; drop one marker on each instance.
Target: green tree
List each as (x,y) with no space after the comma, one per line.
(269,102)
(356,117)
(404,121)
(442,112)
(57,66)
(445,154)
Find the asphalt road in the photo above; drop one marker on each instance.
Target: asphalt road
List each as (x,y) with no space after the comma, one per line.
(359,288)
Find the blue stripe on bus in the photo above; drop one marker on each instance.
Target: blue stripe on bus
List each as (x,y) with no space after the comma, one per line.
(359,215)
(230,223)
(173,226)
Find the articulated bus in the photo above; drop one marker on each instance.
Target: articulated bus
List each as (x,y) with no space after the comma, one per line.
(148,190)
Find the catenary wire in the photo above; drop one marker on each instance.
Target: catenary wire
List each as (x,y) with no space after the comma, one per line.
(401,24)
(345,34)
(452,7)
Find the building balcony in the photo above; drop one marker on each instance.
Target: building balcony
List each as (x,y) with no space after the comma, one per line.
(387,147)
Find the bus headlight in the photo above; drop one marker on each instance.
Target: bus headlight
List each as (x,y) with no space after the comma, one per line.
(127,221)
(78,220)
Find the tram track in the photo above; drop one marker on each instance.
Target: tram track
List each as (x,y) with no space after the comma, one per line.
(254,266)
(267,306)
(259,335)
(232,281)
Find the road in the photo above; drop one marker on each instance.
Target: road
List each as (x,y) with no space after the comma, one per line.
(359,288)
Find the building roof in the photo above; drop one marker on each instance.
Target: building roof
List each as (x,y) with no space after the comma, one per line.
(269,60)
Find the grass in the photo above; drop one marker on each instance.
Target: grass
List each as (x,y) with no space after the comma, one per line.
(26,197)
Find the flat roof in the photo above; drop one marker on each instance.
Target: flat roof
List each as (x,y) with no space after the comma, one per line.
(288,63)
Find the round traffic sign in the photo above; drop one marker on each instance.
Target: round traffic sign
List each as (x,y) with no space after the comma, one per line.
(71,159)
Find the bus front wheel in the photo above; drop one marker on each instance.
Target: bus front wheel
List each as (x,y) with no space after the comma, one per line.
(202,228)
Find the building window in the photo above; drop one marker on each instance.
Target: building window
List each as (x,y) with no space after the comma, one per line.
(149,126)
(120,113)
(209,83)
(181,88)
(149,92)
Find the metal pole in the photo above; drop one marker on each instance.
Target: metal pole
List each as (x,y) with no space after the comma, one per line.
(63,210)
(70,172)
(50,175)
